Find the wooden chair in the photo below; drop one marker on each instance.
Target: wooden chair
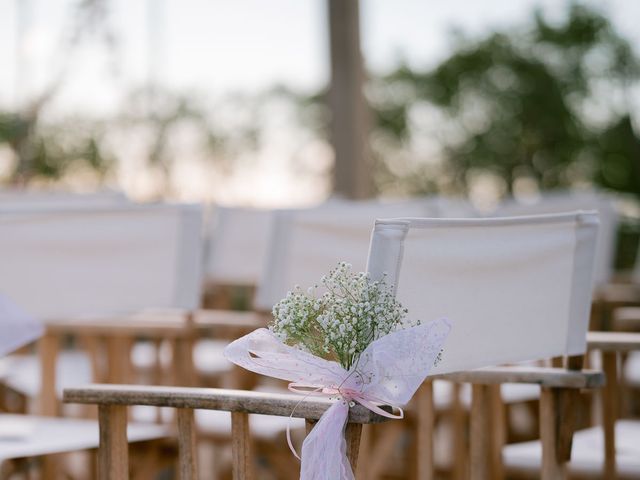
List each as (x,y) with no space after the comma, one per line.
(516,289)
(609,450)
(74,268)
(114,399)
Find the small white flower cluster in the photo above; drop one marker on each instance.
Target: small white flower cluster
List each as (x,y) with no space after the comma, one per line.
(351,313)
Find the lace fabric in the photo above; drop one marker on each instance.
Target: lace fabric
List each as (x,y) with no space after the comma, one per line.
(389,371)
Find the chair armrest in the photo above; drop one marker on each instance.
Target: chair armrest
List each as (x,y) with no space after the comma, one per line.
(282,405)
(545,377)
(613,341)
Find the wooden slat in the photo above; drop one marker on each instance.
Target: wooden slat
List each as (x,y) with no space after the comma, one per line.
(48,352)
(352,435)
(610,412)
(241,446)
(613,341)
(499,429)
(486,433)
(552,469)
(425,432)
(458,414)
(546,377)
(187,446)
(480,433)
(365,457)
(113,454)
(118,364)
(214,399)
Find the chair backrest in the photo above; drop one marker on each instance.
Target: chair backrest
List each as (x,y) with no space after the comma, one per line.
(17,200)
(84,262)
(307,244)
(571,201)
(515,289)
(237,245)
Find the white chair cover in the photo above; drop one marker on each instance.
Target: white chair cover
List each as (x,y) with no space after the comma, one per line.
(18,200)
(17,328)
(571,201)
(307,244)
(515,289)
(237,249)
(109,260)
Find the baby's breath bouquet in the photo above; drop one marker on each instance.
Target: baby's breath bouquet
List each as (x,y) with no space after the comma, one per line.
(339,324)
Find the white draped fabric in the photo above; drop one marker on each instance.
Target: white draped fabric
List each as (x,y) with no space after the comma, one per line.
(17,328)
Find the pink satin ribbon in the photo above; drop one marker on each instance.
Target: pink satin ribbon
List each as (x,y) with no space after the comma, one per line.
(348,395)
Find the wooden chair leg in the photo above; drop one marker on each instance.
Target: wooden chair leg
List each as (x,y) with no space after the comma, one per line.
(365,456)
(425,432)
(550,424)
(187,447)
(486,433)
(240,444)
(48,350)
(460,465)
(113,455)
(610,412)
(118,354)
(352,435)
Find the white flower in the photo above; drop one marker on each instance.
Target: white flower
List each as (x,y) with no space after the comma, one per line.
(344,320)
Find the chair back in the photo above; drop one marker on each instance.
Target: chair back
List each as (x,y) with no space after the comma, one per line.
(515,289)
(18,200)
(571,201)
(307,244)
(237,245)
(100,261)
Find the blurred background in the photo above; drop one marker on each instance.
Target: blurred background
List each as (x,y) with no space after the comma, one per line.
(229,102)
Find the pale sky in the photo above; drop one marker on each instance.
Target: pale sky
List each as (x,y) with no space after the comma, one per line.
(217,46)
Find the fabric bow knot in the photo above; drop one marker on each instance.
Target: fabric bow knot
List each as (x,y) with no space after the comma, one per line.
(388,372)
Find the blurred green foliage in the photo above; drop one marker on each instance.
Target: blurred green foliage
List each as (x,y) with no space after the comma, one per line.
(548,103)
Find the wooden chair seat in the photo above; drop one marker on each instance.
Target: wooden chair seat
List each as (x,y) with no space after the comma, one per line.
(31,436)
(587,458)
(23,373)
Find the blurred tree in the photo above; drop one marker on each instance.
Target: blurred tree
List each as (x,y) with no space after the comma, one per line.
(548,104)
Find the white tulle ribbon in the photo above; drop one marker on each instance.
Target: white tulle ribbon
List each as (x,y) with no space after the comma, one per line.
(388,372)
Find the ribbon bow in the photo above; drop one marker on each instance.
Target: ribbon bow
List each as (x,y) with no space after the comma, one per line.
(388,372)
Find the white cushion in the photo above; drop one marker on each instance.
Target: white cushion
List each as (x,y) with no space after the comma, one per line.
(33,436)
(632,369)
(587,456)
(207,356)
(22,372)
(218,423)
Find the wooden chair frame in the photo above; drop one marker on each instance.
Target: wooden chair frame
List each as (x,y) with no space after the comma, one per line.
(559,388)
(112,401)
(611,345)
